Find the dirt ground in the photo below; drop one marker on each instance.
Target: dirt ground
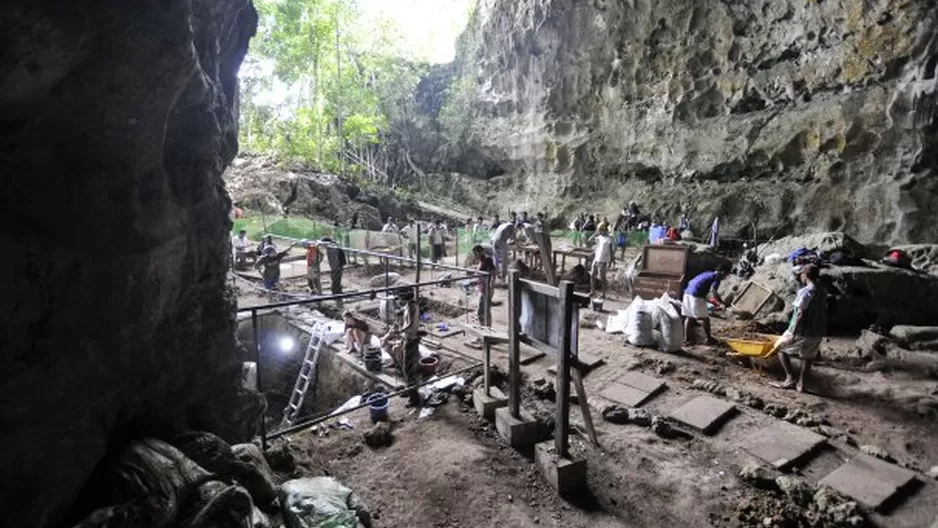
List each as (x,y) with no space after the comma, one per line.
(452,470)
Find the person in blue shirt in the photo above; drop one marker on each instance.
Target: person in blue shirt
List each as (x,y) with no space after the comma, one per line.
(694,304)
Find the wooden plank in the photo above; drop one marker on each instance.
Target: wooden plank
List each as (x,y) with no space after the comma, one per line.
(544,244)
(584,405)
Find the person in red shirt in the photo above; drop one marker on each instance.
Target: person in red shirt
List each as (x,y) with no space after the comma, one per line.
(313,270)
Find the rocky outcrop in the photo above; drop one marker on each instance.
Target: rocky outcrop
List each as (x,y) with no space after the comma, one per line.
(118,119)
(261,184)
(783,116)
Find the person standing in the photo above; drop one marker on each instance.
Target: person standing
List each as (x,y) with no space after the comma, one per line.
(486,265)
(502,236)
(389,226)
(313,267)
(410,330)
(602,256)
(353,223)
(805,330)
(269,264)
(409,232)
(337,261)
(437,233)
(694,305)
(240,245)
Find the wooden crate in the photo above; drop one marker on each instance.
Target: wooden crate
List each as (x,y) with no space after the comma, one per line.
(650,285)
(665,259)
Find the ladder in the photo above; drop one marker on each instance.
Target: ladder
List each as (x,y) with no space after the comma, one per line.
(306,376)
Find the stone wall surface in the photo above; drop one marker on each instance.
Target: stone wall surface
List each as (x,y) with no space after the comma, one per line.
(117,119)
(790,115)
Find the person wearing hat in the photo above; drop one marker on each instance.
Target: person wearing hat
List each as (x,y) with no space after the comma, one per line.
(805,330)
(269,264)
(313,266)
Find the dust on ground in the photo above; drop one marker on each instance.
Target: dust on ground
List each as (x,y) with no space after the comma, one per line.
(452,470)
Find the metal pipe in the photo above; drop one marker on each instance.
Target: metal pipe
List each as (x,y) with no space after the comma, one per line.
(260,385)
(387,255)
(339,296)
(321,419)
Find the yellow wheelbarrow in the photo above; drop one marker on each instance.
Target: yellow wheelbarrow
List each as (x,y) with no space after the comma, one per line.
(756,350)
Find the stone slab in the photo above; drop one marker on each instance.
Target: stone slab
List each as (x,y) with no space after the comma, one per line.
(868,480)
(564,474)
(642,382)
(782,444)
(486,404)
(518,432)
(704,413)
(633,389)
(589,361)
(625,395)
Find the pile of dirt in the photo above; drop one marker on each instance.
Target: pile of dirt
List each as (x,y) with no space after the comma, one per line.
(746,330)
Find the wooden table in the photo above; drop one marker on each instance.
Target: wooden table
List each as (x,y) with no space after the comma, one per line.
(530,253)
(578,253)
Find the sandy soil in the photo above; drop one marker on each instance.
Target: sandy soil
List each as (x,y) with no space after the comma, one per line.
(450,470)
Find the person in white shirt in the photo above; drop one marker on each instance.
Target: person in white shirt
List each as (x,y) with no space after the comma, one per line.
(437,250)
(602,257)
(389,226)
(241,247)
(501,237)
(410,233)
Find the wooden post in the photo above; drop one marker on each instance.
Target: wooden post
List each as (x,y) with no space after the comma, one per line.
(514,344)
(417,243)
(584,405)
(487,362)
(564,356)
(260,383)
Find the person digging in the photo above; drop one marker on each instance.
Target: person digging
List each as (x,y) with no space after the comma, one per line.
(806,329)
(694,304)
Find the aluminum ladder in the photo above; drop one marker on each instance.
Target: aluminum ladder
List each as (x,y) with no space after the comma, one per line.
(306,376)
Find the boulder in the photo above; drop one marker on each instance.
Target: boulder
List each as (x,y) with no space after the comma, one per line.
(378,436)
(915,337)
(924,256)
(322,501)
(118,120)
(863,296)
(824,242)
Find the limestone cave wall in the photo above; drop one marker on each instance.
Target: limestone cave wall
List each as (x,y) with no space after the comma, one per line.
(786,114)
(118,118)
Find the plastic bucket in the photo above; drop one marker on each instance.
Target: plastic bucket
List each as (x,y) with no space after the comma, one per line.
(429,364)
(378,405)
(597,305)
(372,360)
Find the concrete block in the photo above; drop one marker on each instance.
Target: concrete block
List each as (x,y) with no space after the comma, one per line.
(486,404)
(518,432)
(782,444)
(564,474)
(704,413)
(869,481)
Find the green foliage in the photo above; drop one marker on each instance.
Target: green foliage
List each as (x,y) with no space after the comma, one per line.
(343,87)
(457,107)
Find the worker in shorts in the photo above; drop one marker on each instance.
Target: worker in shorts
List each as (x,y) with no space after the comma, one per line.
(806,329)
(602,257)
(694,304)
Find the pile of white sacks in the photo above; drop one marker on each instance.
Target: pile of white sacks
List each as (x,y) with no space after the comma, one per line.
(654,322)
